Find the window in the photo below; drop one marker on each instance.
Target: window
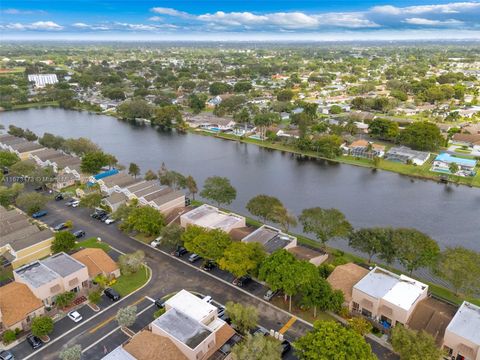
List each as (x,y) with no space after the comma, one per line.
(448,350)
(355,306)
(366,313)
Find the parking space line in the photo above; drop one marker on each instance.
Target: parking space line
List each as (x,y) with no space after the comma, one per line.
(287,326)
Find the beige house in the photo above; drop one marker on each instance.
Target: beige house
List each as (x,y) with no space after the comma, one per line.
(462,336)
(271,239)
(210,217)
(344,277)
(23,148)
(22,241)
(18,306)
(52,276)
(189,330)
(387,297)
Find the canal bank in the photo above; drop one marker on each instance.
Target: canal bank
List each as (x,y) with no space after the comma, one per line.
(368,198)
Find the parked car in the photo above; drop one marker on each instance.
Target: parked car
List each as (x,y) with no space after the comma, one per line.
(156,242)
(260,330)
(79,233)
(160,303)
(220,311)
(208,265)
(39,188)
(59,227)
(39,214)
(75,316)
(109,221)
(76,203)
(34,341)
(6,355)
(59,197)
(112,294)
(286,346)
(98,213)
(194,257)
(70,202)
(208,299)
(242,281)
(103,218)
(180,251)
(270,294)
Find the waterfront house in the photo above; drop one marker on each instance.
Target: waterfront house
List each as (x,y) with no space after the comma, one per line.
(52,276)
(18,307)
(387,297)
(303,253)
(470,140)
(406,155)
(210,217)
(344,277)
(364,149)
(271,239)
(115,200)
(20,240)
(443,161)
(116,182)
(23,148)
(462,336)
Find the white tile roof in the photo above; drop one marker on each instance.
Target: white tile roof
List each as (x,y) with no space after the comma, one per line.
(466,322)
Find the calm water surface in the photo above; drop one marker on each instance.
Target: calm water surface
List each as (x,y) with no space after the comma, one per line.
(449,214)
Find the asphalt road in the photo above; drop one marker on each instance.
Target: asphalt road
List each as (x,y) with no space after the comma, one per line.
(99,332)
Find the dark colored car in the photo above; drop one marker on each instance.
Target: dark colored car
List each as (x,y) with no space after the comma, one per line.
(208,265)
(180,251)
(60,227)
(112,294)
(242,281)
(98,214)
(59,197)
(34,341)
(39,214)
(79,233)
(220,311)
(103,217)
(285,347)
(6,355)
(260,330)
(160,303)
(39,188)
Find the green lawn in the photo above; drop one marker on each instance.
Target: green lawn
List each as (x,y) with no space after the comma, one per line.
(127,283)
(93,243)
(34,105)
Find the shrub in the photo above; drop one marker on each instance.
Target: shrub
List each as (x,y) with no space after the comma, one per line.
(42,326)
(9,336)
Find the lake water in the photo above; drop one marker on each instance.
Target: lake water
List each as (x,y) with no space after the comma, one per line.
(450,214)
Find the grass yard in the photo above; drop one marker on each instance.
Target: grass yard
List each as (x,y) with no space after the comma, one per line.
(301,313)
(93,243)
(127,283)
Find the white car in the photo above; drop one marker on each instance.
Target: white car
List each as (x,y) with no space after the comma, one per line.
(109,221)
(76,203)
(156,242)
(75,316)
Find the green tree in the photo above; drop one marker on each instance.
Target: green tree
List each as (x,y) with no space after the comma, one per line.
(42,326)
(64,241)
(261,206)
(285,95)
(325,223)
(135,109)
(145,220)
(243,317)
(71,353)
(131,263)
(7,158)
(167,116)
(126,316)
(80,146)
(134,170)
(257,347)
(64,300)
(93,162)
(372,241)
(219,190)
(95,297)
(191,185)
(172,235)
(9,336)
(360,325)
(422,135)
(453,168)
(383,129)
(330,340)
(242,258)
(242,86)
(51,141)
(91,200)
(31,202)
(197,102)
(414,249)
(150,175)
(414,345)
(9,194)
(279,271)
(461,268)
(218,88)
(210,245)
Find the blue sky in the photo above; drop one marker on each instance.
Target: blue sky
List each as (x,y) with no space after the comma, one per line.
(240,20)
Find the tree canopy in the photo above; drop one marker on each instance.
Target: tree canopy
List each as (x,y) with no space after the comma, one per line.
(325,223)
(242,258)
(414,345)
(219,190)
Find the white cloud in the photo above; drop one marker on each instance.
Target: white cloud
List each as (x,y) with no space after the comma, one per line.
(429,22)
(155,18)
(450,8)
(170,12)
(39,25)
(81,25)
(21,12)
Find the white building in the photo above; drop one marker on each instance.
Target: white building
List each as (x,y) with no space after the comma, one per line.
(210,217)
(41,80)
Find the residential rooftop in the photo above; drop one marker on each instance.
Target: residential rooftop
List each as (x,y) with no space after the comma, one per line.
(344,277)
(182,327)
(466,322)
(212,218)
(191,305)
(16,302)
(63,264)
(270,238)
(36,274)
